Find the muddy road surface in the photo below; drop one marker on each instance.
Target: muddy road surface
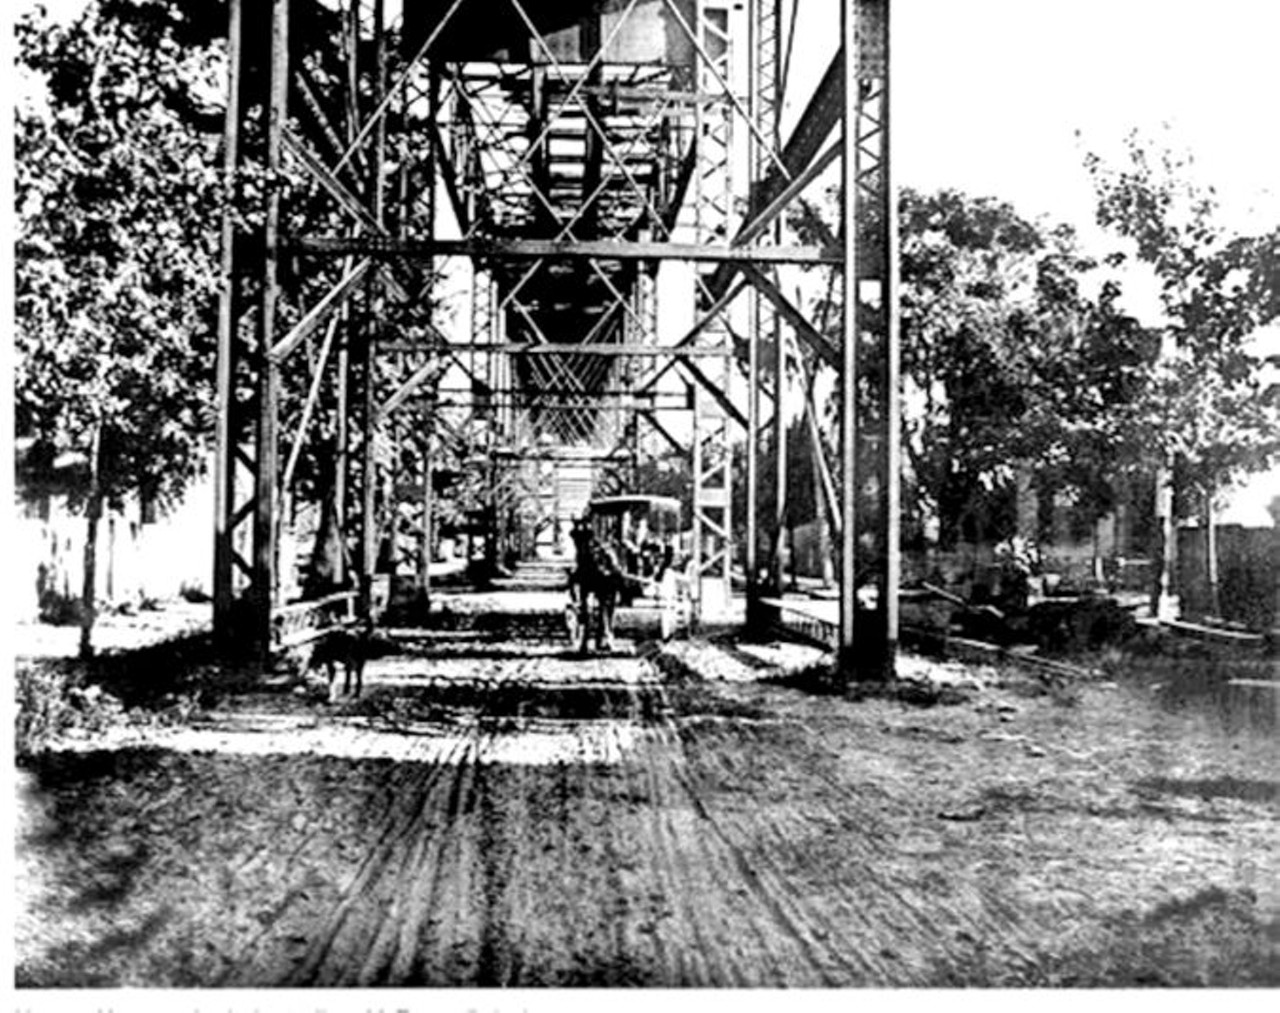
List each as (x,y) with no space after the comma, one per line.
(498,811)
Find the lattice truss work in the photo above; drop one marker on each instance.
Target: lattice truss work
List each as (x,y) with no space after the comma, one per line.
(714,218)
(443,262)
(873,317)
(565,150)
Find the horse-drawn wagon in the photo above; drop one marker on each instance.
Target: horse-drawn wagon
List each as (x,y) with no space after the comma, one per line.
(627,552)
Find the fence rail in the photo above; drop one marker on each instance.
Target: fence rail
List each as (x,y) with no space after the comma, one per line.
(300,622)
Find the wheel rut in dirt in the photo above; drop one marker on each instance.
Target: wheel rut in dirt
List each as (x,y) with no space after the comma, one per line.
(614,862)
(499,811)
(496,863)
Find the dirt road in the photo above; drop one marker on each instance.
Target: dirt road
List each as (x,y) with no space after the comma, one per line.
(498,811)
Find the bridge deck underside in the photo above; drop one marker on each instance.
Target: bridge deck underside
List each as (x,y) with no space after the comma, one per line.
(578,151)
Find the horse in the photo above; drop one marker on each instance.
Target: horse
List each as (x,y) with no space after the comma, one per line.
(596,574)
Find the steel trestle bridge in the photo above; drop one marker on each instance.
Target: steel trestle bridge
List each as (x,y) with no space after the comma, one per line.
(530,244)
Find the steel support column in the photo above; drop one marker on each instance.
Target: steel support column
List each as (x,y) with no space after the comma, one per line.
(765,102)
(891,474)
(571,177)
(263,591)
(870,403)
(342,437)
(780,462)
(849,640)
(371,526)
(713,196)
(225,436)
(762,104)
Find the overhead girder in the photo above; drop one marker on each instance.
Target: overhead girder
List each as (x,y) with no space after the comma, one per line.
(480,31)
(538,249)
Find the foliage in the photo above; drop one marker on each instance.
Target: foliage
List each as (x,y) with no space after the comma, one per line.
(1017,355)
(995,334)
(116,254)
(1018,554)
(800,502)
(1009,362)
(1207,408)
(53,702)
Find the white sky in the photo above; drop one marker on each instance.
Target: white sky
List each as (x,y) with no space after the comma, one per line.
(990,93)
(1004,97)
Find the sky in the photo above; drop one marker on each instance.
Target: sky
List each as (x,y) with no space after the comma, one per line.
(1004,97)
(992,92)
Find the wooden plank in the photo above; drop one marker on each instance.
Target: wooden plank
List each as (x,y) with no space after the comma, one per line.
(1213,633)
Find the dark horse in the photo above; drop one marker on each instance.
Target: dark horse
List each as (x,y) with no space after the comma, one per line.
(596,574)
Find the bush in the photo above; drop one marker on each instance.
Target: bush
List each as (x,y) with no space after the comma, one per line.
(194,593)
(54,702)
(58,609)
(1081,624)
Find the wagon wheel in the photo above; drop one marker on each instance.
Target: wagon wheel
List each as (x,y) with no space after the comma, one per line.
(670,606)
(572,624)
(669,620)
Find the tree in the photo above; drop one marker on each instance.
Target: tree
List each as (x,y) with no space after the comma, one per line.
(800,503)
(1015,359)
(1207,415)
(1009,363)
(117,201)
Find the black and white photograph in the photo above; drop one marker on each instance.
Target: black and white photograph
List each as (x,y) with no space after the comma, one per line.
(520,503)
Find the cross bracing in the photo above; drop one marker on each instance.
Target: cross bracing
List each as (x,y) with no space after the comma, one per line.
(453,221)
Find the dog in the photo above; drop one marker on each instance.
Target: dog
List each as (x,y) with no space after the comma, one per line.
(346,646)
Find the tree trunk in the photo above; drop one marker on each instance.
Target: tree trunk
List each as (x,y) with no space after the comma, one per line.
(1211,551)
(325,568)
(826,564)
(428,525)
(1164,603)
(1099,574)
(781,504)
(794,583)
(824,496)
(93,514)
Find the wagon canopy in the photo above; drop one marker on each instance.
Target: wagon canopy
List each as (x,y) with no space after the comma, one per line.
(661,513)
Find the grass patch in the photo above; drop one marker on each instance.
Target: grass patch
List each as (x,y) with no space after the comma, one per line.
(56,700)
(164,683)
